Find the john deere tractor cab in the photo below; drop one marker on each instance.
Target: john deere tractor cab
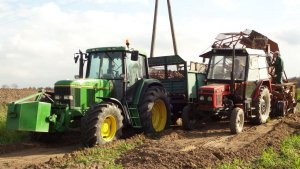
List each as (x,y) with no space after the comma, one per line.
(115,92)
(238,81)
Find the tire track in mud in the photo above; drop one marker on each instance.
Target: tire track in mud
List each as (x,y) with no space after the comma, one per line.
(19,155)
(22,155)
(209,145)
(22,158)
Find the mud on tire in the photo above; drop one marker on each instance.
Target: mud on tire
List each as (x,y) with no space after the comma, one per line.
(101,124)
(237,120)
(262,106)
(188,120)
(154,110)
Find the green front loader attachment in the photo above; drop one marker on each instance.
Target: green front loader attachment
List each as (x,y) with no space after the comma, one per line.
(24,115)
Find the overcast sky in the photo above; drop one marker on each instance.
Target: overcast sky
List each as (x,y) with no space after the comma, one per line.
(38,38)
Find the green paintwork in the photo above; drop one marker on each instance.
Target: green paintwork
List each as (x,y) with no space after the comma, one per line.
(187,85)
(103,49)
(85,92)
(133,107)
(194,81)
(70,102)
(29,116)
(113,48)
(36,115)
(26,115)
(166,60)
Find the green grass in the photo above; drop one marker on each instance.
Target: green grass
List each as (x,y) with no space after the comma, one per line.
(97,157)
(235,164)
(7,136)
(298,96)
(287,157)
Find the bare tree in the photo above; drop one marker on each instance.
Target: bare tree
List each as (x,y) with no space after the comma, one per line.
(5,86)
(14,86)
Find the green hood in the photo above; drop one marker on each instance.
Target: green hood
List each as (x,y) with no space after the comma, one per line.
(85,83)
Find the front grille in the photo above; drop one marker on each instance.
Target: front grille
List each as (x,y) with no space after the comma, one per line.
(205,101)
(61,92)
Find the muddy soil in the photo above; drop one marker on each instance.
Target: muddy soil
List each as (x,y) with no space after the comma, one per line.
(206,146)
(36,155)
(209,145)
(24,155)
(9,95)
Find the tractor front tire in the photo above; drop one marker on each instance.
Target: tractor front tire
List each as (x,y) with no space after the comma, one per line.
(154,110)
(236,120)
(101,124)
(262,106)
(188,119)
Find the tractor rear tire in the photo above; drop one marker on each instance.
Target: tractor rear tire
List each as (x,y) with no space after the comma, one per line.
(154,110)
(262,106)
(188,120)
(101,124)
(236,120)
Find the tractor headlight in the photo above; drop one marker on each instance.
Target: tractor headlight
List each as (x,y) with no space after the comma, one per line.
(209,98)
(201,98)
(68,97)
(57,97)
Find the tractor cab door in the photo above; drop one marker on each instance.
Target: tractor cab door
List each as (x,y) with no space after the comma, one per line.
(136,70)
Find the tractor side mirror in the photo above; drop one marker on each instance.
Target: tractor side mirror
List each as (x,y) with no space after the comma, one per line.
(76,58)
(134,55)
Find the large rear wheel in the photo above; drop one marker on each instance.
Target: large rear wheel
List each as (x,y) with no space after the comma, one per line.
(154,110)
(101,124)
(262,106)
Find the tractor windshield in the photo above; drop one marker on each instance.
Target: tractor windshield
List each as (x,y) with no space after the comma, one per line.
(104,65)
(221,66)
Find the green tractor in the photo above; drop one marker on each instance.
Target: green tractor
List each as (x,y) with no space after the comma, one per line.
(115,93)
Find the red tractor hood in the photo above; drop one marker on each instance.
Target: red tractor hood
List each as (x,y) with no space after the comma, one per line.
(215,88)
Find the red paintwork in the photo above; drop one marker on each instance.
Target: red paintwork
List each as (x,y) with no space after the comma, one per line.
(216,87)
(213,90)
(264,83)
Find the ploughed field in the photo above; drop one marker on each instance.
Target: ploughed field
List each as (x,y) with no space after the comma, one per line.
(207,146)
(9,95)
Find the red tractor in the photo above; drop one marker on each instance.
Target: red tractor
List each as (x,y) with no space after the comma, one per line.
(238,82)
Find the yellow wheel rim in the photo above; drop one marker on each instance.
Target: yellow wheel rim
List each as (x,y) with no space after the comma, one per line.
(109,128)
(159,115)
